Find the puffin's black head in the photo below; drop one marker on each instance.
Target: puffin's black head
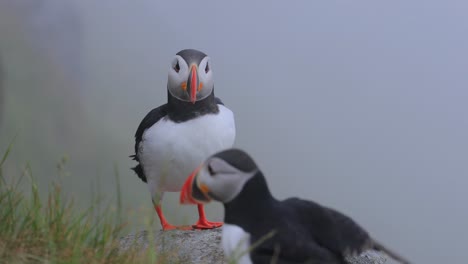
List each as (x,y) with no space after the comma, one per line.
(190,76)
(221,177)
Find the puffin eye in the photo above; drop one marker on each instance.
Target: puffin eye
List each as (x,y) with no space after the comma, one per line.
(207,68)
(210,170)
(177,67)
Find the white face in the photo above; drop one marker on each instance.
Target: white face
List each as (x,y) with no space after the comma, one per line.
(181,79)
(223,181)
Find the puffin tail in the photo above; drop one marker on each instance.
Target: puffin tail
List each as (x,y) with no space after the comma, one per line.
(139,171)
(379,247)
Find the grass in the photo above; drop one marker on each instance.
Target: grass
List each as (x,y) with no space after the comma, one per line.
(52,230)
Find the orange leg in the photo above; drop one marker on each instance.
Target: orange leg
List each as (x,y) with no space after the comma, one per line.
(165,225)
(203,223)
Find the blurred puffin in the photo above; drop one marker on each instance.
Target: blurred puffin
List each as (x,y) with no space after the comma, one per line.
(302,231)
(174,138)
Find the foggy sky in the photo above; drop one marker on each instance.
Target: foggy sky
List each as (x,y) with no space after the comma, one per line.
(360,106)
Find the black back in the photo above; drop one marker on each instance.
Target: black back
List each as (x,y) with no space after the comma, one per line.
(177,111)
(304,231)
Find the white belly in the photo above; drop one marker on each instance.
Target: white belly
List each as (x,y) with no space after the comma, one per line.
(170,151)
(235,242)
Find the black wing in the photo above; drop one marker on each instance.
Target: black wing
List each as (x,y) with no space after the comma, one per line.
(335,231)
(294,252)
(291,243)
(150,119)
(331,229)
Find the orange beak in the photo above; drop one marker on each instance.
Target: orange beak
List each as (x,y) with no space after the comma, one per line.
(193,83)
(191,193)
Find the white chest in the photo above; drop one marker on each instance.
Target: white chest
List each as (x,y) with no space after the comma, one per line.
(236,242)
(170,151)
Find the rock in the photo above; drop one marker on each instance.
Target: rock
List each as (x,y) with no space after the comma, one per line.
(203,246)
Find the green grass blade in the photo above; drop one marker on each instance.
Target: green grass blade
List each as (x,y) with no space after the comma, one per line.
(8,150)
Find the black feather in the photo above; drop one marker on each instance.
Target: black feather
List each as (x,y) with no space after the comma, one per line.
(139,172)
(238,159)
(191,56)
(148,121)
(218,101)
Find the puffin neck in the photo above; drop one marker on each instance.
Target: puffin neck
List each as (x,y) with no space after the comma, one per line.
(180,111)
(253,200)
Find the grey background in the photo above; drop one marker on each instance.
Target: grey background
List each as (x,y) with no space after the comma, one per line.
(359,105)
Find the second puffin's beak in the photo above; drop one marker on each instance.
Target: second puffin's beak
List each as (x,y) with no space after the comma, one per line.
(194,192)
(192,84)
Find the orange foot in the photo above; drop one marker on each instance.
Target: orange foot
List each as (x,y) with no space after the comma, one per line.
(205,224)
(202,222)
(167,227)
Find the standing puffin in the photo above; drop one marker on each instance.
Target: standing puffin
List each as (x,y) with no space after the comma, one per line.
(293,230)
(174,138)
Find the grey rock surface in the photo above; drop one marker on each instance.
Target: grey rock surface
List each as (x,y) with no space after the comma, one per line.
(203,246)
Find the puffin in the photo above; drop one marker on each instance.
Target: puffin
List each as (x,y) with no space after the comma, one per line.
(174,138)
(259,228)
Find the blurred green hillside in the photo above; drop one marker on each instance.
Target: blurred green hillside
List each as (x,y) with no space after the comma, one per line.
(43,107)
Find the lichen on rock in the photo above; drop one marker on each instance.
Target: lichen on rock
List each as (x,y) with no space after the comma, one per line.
(203,246)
